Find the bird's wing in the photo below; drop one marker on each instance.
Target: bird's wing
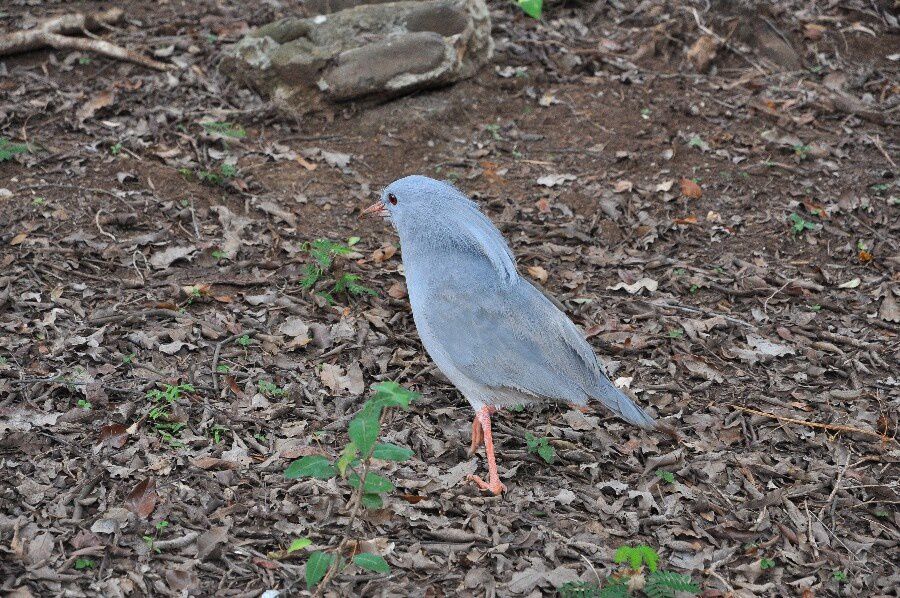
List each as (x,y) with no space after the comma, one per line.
(512,337)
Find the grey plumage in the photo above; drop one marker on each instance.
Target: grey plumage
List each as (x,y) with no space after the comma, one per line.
(496,337)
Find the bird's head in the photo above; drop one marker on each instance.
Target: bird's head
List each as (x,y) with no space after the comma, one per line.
(417,198)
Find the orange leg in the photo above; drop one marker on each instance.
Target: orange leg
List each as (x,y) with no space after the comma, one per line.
(483,418)
(477,436)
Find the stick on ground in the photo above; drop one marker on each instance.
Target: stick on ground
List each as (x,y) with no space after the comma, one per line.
(52,34)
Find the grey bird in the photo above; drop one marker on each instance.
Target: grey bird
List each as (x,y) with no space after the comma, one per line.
(495,336)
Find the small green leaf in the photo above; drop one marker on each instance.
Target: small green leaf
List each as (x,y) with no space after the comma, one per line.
(375,484)
(532,8)
(83,563)
(766,564)
(298,544)
(312,466)
(391,452)
(372,562)
(372,501)
(225,129)
(349,453)
(649,556)
(9,149)
(666,476)
(364,429)
(352,241)
(391,394)
(316,567)
(546,452)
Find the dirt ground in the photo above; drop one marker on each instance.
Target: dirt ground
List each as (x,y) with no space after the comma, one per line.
(728,240)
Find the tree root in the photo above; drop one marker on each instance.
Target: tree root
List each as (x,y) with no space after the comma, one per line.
(53,34)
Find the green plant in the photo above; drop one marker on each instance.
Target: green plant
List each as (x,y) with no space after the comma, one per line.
(82,563)
(166,397)
(877,187)
(9,149)
(839,576)
(39,201)
(159,413)
(532,8)
(219,254)
(84,404)
(354,465)
(244,340)
(801,151)
(637,556)
(665,584)
(798,224)
(494,130)
(85,60)
(270,388)
(211,177)
(766,563)
(666,476)
(116,149)
(658,584)
(323,252)
(218,433)
(675,333)
(696,141)
(540,446)
(224,129)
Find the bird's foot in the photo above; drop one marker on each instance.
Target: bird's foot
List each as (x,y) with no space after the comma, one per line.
(496,487)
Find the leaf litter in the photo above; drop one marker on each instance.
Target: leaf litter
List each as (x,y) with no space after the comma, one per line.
(668,239)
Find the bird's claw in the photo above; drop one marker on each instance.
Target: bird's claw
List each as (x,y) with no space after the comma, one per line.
(496,488)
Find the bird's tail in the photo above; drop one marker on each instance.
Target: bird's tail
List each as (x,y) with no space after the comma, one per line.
(621,405)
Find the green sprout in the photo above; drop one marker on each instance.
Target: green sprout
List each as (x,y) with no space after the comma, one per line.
(355,466)
(541,447)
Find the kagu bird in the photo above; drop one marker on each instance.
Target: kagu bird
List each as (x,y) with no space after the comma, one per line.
(491,332)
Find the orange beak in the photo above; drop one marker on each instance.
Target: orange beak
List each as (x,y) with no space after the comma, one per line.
(376,208)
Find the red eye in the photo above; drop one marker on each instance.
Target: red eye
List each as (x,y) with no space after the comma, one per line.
(392,198)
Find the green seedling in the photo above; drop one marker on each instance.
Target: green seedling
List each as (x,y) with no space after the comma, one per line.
(354,466)
(541,447)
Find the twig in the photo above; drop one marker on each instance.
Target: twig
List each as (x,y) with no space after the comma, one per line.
(100,228)
(876,141)
(51,34)
(837,485)
(801,422)
(215,359)
(701,310)
(775,292)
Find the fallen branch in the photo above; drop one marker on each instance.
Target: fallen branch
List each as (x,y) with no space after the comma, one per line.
(801,422)
(52,34)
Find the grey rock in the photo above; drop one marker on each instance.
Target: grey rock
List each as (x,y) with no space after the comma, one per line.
(379,49)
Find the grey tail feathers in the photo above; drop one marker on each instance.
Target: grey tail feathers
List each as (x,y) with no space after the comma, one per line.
(621,405)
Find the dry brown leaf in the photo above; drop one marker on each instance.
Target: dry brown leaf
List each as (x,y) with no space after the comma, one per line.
(703,52)
(690,189)
(89,108)
(18,239)
(397,290)
(538,273)
(813,31)
(384,253)
(114,435)
(623,187)
(142,499)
